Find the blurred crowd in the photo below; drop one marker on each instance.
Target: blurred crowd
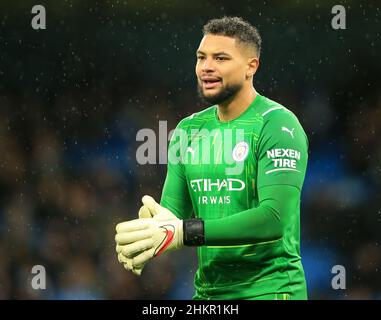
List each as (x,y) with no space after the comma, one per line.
(61,199)
(68,170)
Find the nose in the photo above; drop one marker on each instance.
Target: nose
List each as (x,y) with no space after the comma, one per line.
(207,65)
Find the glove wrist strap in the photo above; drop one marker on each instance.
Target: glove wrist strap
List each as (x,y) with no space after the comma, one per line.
(193,231)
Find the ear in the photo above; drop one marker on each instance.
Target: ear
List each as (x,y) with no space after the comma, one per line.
(252,66)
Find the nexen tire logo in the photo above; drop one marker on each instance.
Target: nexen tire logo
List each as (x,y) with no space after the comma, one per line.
(217,184)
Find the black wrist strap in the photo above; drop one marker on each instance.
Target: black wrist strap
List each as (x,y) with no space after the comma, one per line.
(193,230)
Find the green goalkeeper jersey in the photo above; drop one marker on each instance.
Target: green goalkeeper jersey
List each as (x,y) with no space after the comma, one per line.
(243,178)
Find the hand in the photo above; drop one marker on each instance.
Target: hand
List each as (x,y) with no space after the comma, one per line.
(142,239)
(127,262)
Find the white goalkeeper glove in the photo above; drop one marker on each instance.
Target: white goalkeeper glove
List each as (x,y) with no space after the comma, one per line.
(127,262)
(140,240)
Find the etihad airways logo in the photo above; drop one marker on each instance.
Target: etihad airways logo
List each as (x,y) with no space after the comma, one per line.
(228,184)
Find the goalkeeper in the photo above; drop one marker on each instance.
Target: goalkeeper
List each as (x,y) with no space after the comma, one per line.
(234,180)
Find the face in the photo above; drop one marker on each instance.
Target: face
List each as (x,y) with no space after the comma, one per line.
(223,68)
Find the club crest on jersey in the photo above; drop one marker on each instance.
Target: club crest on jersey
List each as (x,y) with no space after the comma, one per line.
(240,151)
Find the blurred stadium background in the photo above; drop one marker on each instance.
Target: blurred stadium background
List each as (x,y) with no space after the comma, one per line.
(73,96)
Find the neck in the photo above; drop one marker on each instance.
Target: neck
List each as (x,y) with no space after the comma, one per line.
(233,108)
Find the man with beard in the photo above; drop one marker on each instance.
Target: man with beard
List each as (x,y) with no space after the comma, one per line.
(234,179)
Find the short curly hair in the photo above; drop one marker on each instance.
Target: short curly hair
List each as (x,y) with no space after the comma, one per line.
(237,28)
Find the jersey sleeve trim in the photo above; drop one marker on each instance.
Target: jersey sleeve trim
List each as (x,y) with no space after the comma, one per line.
(281,169)
(273,109)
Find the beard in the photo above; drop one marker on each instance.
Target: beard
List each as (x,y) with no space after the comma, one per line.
(225,94)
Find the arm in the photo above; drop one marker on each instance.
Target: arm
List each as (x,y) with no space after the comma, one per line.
(175,195)
(263,223)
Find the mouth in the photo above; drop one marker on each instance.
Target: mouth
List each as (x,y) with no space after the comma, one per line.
(210,82)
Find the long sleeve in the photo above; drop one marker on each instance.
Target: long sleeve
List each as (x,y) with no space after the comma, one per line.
(266,222)
(175,194)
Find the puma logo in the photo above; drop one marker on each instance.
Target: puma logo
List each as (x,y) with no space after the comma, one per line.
(291,132)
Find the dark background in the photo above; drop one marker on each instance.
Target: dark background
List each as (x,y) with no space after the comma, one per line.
(73,97)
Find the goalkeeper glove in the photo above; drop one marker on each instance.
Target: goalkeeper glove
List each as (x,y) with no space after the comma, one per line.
(127,262)
(142,239)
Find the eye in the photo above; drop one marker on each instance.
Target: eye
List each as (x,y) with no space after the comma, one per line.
(200,57)
(221,58)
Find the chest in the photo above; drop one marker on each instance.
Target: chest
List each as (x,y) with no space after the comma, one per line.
(224,157)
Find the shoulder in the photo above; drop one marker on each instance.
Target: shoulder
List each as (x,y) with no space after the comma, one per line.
(281,123)
(275,114)
(198,118)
